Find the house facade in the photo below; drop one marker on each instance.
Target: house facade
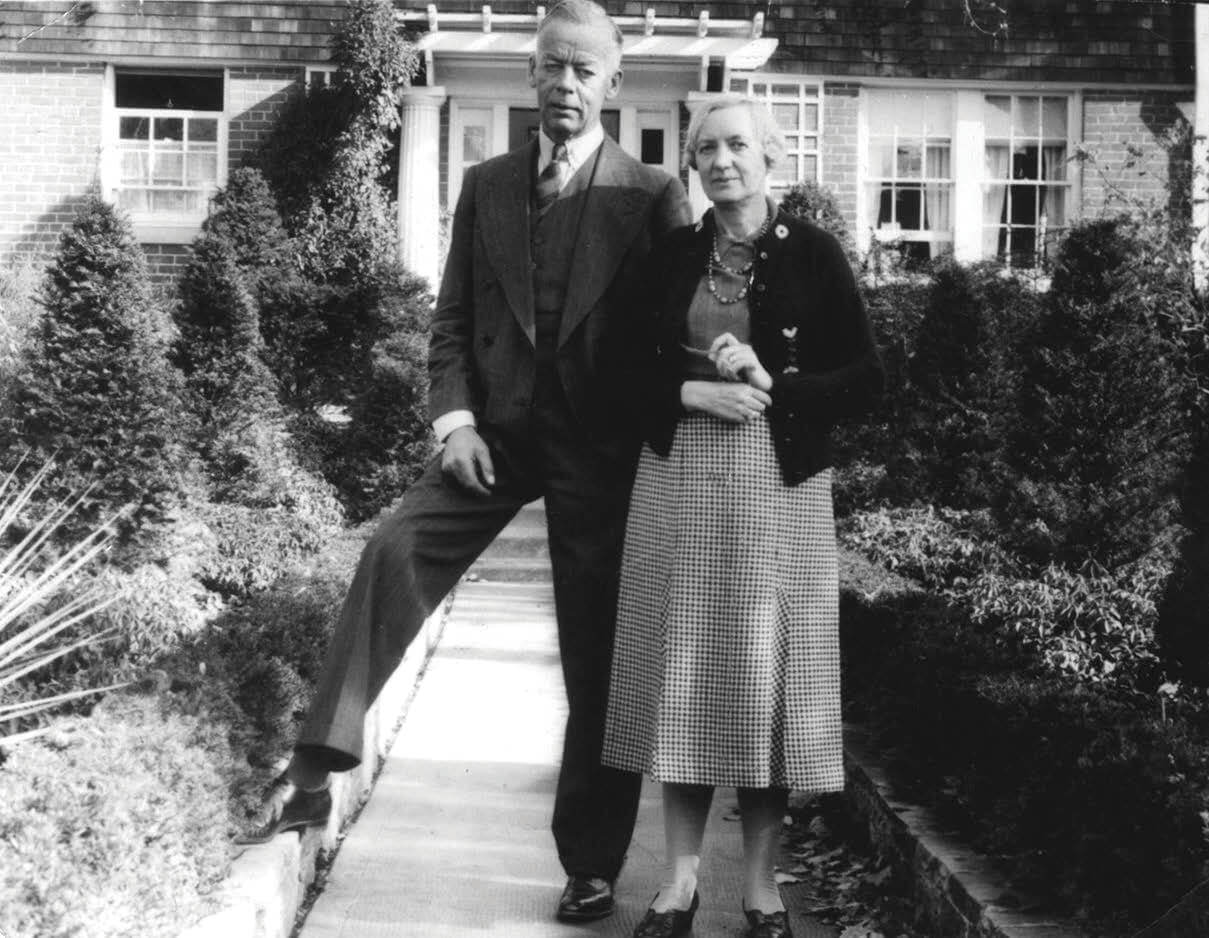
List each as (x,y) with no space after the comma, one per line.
(940,125)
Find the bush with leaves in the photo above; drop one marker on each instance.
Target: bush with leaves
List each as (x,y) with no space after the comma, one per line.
(1102,434)
(961,385)
(97,392)
(818,205)
(90,851)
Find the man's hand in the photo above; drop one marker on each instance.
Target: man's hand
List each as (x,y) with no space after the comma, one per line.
(467,461)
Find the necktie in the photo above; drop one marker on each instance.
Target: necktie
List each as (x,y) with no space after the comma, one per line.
(551,180)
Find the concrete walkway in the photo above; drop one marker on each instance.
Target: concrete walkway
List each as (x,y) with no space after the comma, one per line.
(455,840)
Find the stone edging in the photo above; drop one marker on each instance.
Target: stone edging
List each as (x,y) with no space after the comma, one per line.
(267,883)
(957,892)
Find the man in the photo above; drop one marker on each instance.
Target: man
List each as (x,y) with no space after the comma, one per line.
(527,366)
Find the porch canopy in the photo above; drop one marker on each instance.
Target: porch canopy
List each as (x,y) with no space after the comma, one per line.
(701,42)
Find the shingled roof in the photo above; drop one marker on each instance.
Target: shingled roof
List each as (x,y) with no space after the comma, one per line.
(1084,41)
(214,31)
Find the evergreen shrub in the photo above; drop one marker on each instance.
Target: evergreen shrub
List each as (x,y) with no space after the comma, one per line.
(97,392)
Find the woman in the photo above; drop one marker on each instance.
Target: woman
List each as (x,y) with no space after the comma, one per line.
(726,666)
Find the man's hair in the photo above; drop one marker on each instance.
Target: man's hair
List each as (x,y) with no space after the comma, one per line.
(771,137)
(582,13)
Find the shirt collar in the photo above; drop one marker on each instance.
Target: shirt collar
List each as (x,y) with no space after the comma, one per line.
(579,149)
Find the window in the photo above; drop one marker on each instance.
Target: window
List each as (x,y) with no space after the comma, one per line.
(909,196)
(170,143)
(1026,186)
(797,109)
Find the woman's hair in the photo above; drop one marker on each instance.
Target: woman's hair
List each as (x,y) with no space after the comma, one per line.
(771,137)
(582,13)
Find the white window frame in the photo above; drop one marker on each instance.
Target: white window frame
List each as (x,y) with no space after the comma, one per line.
(461,113)
(159,227)
(1067,184)
(868,177)
(970,184)
(744,82)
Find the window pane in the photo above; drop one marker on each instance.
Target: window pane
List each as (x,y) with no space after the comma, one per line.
(786,116)
(997,116)
(1026,118)
(785,91)
(810,167)
(881,111)
(909,160)
(1053,117)
(172,92)
(474,144)
(938,161)
(134,166)
(1053,162)
(203,130)
(938,114)
(811,119)
(651,149)
(998,162)
(759,89)
(134,128)
(133,200)
(172,200)
(1053,206)
(786,172)
(810,143)
(203,169)
(738,85)
(167,167)
(938,198)
(169,128)
(881,158)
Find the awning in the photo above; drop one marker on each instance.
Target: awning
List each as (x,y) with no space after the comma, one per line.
(738,52)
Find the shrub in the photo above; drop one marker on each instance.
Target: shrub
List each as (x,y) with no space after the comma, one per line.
(90,851)
(1093,795)
(1102,432)
(818,205)
(18,314)
(961,383)
(97,392)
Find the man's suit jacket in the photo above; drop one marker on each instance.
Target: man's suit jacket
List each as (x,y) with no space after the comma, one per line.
(482,352)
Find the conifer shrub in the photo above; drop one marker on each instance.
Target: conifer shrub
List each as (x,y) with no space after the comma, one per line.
(96,391)
(818,205)
(1101,436)
(960,384)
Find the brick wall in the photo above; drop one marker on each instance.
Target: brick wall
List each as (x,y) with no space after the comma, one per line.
(257,94)
(166,263)
(841,114)
(1123,135)
(48,150)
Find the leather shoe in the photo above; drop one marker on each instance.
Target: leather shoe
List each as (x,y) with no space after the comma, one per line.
(585,899)
(766,924)
(286,808)
(670,924)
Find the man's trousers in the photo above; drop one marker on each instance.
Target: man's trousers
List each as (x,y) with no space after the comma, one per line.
(420,551)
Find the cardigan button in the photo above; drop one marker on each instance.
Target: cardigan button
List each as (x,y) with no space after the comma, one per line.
(763,255)
(759,288)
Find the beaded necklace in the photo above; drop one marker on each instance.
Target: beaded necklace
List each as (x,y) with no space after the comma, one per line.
(713,262)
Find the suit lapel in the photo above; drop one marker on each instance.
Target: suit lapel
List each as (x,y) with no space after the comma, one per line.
(506,233)
(611,216)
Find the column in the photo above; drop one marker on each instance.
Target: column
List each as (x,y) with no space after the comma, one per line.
(420,182)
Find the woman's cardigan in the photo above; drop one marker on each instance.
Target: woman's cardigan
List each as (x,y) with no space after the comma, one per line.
(809,329)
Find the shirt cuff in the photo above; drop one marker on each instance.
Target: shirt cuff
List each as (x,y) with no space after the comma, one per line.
(447,423)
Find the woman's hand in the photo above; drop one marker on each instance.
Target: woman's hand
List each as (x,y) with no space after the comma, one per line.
(737,361)
(735,402)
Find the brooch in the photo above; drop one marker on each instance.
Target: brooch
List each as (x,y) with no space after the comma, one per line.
(791,353)
(698,226)
(781,232)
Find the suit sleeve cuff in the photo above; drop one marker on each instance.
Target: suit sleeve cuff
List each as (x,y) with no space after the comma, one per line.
(447,423)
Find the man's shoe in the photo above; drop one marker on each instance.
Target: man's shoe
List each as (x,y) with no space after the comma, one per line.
(585,899)
(286,808)
(767,924)
(671,924)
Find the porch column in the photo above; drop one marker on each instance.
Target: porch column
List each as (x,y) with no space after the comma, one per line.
(420,182)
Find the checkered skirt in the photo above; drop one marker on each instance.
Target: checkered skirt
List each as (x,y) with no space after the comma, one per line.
(726,667)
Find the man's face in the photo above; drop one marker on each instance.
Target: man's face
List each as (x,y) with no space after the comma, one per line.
(575,70)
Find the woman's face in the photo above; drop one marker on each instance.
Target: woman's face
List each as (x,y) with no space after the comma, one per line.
(730,160)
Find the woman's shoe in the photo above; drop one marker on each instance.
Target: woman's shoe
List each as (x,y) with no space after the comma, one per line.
(766,924)
(670,924)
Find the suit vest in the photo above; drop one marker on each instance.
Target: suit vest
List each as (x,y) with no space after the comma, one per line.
(552,238)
